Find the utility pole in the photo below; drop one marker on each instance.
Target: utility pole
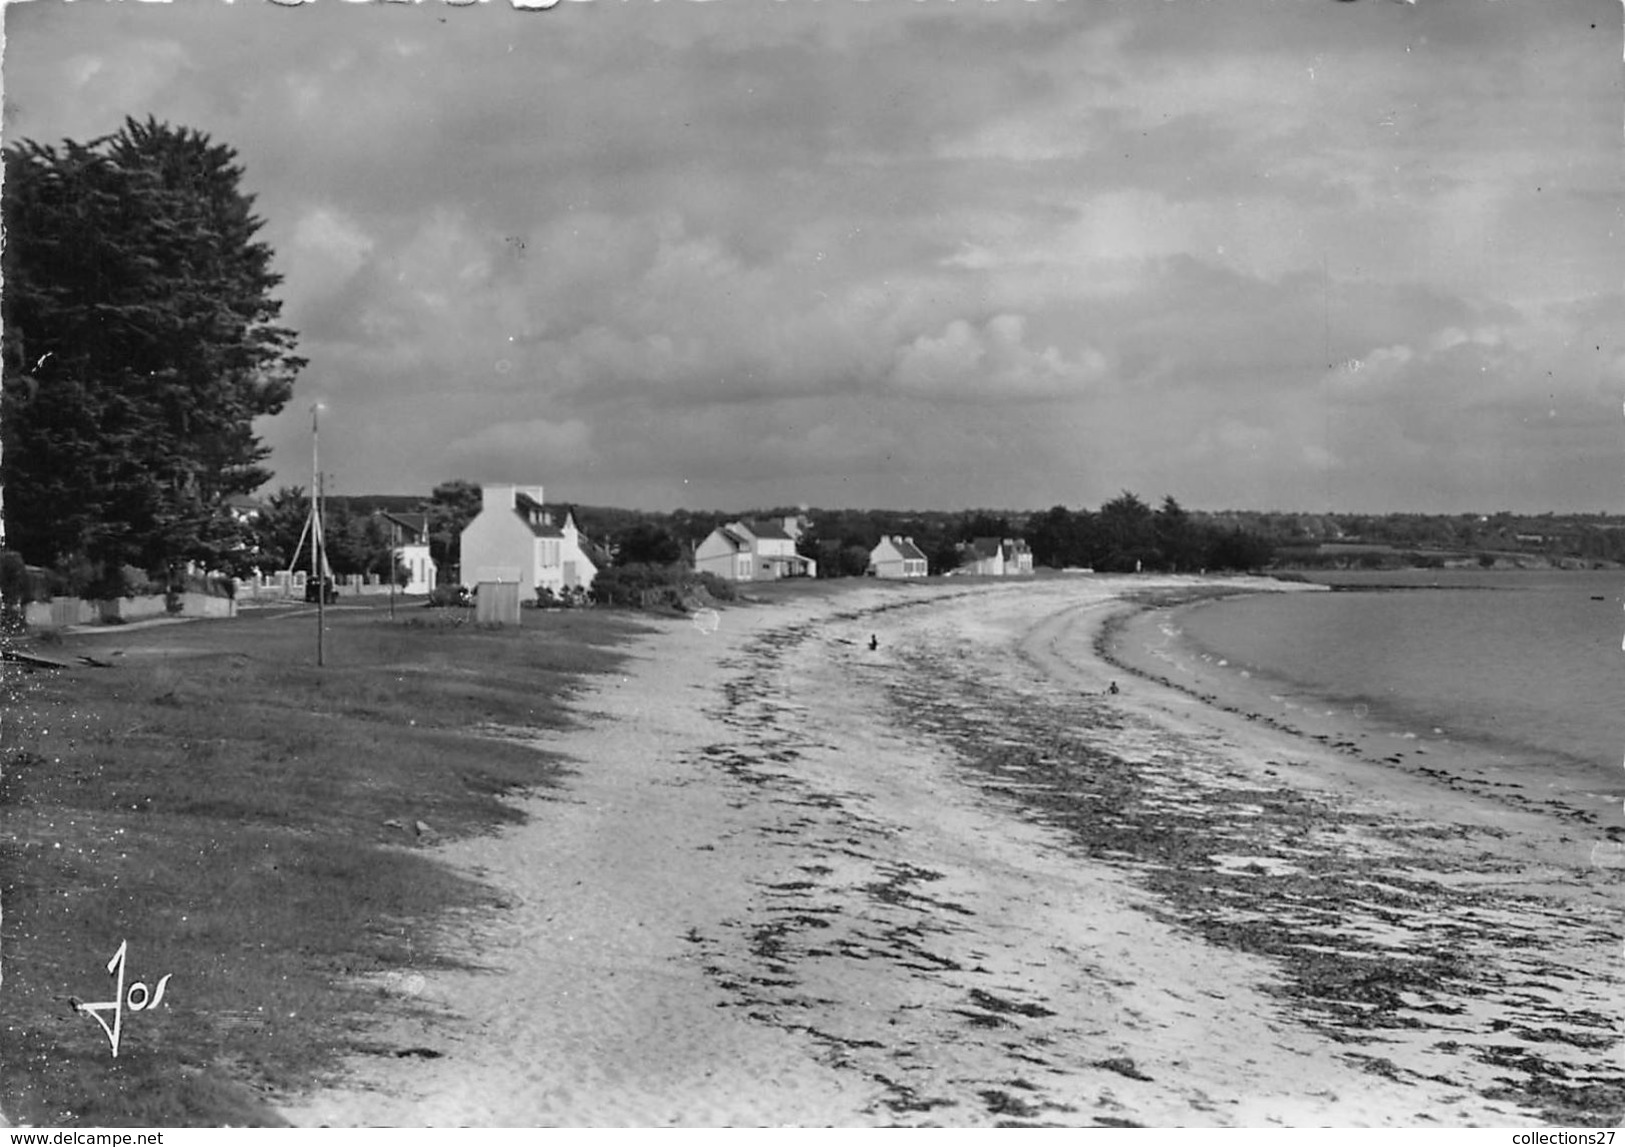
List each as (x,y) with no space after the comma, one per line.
(318,544)
(394,544)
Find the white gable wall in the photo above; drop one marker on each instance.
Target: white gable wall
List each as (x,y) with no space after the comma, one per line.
(564,564)
(718,555)
(498,538)
(420,567)
(888,561)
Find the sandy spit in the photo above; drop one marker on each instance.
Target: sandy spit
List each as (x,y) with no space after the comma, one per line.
(951,881)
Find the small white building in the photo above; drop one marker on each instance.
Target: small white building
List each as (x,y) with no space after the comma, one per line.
(752,551)
(996,557)
(897,557)
(409,542)
(515,531)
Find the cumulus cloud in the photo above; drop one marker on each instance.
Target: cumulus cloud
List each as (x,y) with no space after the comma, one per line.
(992,363)
(327,250)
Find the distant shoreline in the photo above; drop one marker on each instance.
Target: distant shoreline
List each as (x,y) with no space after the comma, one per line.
(1136,641)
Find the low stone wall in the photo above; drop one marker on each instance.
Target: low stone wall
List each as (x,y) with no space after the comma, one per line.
(61,612)
(206,605)
(280,587)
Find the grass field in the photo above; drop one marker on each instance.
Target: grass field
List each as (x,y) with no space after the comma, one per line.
(246,823)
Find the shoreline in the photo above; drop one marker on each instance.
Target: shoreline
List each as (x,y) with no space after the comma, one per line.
(949,882)
(1149,643)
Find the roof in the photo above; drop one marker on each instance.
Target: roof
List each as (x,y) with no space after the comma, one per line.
(770,530)
(985,547)
(417,524)
(905,547)
(535,515)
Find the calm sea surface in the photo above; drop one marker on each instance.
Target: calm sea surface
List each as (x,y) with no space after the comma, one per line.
(1527,663)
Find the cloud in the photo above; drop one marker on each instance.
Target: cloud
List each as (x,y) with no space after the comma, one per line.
(992,363)
(327,251)
(914,253)
(1373,376)
(121,82)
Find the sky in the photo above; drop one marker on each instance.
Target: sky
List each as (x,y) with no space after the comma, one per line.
(933,254)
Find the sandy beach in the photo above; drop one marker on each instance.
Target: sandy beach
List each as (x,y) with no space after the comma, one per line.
(952,881)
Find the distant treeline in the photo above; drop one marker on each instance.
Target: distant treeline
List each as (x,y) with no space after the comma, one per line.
(1319,539)
(1126,530)
(1125,533)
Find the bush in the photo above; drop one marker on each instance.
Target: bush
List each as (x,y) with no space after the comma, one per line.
(1238,550)
(16,583)
(448,595)
(718,587)
(630,585)
(643,586)
(107,586)
(135,582)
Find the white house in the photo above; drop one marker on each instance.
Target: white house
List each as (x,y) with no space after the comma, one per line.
(897,557)
(409,542)
(752,551)
(514,535)
(996,557)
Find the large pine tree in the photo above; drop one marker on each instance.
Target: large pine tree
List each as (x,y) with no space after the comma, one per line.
(140,345)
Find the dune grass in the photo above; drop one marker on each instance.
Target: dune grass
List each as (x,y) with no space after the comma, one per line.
(246,822)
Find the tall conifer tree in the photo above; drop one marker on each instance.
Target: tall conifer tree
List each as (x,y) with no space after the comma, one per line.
(141,343)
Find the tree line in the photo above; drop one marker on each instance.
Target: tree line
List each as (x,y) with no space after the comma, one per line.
(1124,534)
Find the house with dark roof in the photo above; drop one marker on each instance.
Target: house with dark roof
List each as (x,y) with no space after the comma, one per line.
(897,557)
(409,542)
(752,551)
(516,538)
(995,557)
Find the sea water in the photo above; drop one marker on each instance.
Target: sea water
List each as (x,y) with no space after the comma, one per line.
(1526,665)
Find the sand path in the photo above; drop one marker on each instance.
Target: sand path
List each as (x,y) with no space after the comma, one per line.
(779,890)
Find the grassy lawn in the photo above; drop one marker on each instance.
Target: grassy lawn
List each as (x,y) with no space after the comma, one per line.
(220,804)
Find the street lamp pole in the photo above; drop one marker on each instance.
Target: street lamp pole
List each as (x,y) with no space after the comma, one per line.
(394,546)
(318,548)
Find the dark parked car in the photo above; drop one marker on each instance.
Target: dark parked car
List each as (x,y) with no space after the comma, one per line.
(328,592)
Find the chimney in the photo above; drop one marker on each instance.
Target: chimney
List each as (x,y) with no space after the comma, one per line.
(497,498)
